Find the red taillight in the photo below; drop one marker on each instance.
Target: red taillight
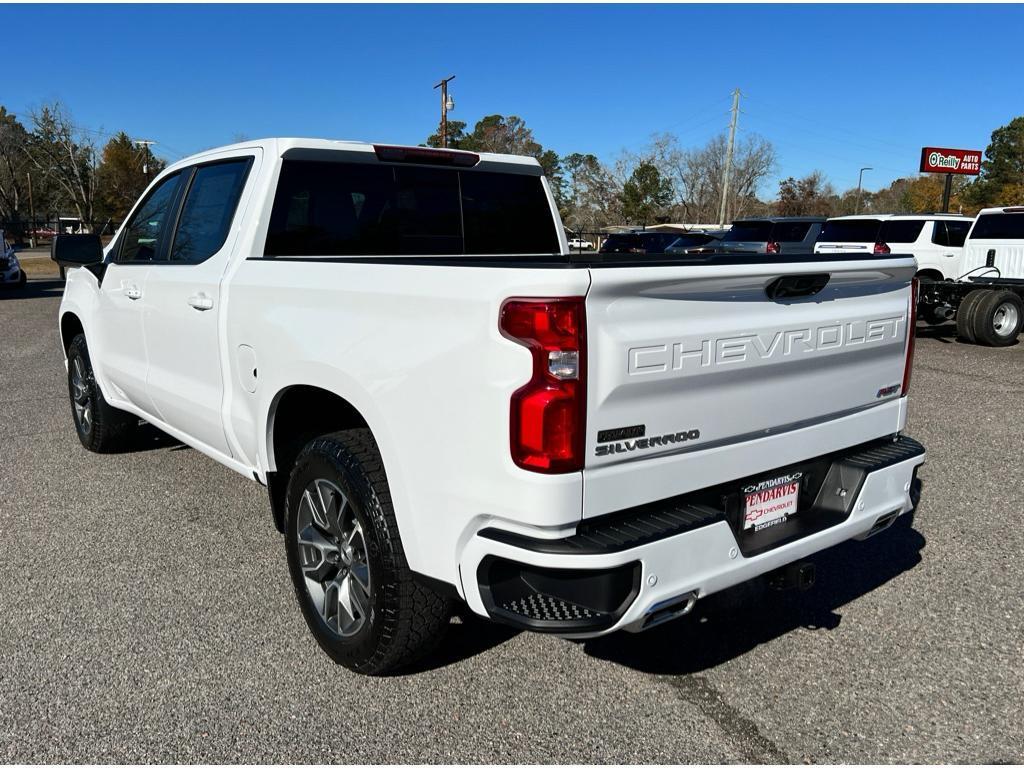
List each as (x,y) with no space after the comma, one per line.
(882,248)
(911,333)
(548,413)
(773,247)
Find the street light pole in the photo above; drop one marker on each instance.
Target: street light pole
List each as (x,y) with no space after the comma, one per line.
(446,104)
(860,178)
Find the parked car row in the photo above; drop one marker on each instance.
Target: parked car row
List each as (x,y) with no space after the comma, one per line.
(11,272)
(935,240)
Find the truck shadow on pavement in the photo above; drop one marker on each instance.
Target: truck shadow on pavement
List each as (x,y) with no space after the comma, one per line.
(945,333)
(33,289)
(731,623)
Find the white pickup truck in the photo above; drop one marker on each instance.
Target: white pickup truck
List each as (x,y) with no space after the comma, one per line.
(448,405)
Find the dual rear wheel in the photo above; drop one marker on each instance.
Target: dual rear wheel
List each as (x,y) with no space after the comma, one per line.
(990,318)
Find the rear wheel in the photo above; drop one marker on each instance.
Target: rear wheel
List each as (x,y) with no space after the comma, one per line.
(347,562)
(997,319)
(965,315)
(101,427)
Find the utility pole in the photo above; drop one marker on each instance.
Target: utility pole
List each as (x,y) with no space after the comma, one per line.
(728,155)
(446,104)
(860,178)
(946,192)
(31,213)
(145,144)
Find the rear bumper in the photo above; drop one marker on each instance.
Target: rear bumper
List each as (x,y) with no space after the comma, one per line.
(639,567)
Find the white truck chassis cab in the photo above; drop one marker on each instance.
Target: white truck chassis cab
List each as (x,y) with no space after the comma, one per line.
(449,406)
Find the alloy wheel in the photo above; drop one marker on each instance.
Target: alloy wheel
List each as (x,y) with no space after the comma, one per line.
(332,553)
(80,396)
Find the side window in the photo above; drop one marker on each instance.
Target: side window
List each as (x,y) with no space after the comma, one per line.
(146,228)
(958,232)
(940,236)
(209,208)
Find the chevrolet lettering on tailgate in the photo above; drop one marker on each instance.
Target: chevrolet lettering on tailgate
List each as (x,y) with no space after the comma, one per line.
(755,348)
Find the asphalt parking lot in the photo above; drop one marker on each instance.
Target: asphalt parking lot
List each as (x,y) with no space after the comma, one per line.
(146,615)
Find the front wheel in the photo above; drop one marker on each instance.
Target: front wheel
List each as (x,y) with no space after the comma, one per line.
(101,427)
(347,562)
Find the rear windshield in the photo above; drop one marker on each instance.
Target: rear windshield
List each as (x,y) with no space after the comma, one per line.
(790,231)
(744,231)
(375,209)
(900,231)
(850,231)
(999,226)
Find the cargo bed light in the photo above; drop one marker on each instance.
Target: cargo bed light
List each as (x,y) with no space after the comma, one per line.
(547,415)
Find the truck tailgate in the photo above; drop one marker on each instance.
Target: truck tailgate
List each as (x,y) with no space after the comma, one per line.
(687,359)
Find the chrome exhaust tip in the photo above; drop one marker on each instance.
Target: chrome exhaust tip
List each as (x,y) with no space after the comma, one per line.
(669,609)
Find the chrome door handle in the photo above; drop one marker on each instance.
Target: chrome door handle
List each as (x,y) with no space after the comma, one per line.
(133,292)
(200,301)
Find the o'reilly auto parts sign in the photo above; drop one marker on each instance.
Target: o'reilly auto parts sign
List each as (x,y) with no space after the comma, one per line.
(942,160)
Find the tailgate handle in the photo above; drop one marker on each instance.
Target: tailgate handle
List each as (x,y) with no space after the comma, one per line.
(796,286)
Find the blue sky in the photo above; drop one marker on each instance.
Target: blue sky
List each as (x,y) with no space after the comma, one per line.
(833,87)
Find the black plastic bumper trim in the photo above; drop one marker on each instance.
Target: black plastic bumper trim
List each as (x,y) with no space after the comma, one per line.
(637,526)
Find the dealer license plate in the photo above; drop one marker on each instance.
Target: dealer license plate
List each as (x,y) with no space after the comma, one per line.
(770,502)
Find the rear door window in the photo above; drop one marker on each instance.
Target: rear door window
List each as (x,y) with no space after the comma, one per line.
(850,231)
(999,226)
(376,209)
(900,231)
(790,231)
(957,232)
(209,207)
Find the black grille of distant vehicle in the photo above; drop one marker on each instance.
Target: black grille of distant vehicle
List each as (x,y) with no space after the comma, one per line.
(5,262)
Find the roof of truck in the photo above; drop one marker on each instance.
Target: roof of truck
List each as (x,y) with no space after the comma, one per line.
(277,146)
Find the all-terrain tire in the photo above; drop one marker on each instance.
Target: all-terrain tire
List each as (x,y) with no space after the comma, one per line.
(101,427)
(404,619)
(965,315)
(997,319)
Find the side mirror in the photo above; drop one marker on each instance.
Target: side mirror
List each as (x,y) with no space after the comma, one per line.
(76,250)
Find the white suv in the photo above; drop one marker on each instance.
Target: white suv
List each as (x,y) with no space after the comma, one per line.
(935,240)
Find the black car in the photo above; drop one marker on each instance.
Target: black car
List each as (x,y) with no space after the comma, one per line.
(639,242)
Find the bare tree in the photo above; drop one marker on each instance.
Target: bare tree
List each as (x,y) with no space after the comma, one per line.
(592,194)
(696,175)
(66,157)
(13,140)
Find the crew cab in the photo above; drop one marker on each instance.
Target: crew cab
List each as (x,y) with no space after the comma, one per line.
(449,406)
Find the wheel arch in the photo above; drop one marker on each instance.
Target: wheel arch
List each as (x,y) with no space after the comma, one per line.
(70,326)
(298,413)
(930,274)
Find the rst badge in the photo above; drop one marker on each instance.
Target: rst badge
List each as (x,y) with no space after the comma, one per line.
(770,502)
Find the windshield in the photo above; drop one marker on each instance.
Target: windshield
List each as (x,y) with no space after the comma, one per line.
(691,241)
(745,231)
(850,231)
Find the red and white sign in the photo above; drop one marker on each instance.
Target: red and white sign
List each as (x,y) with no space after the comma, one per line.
(770,502)
(942,160)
